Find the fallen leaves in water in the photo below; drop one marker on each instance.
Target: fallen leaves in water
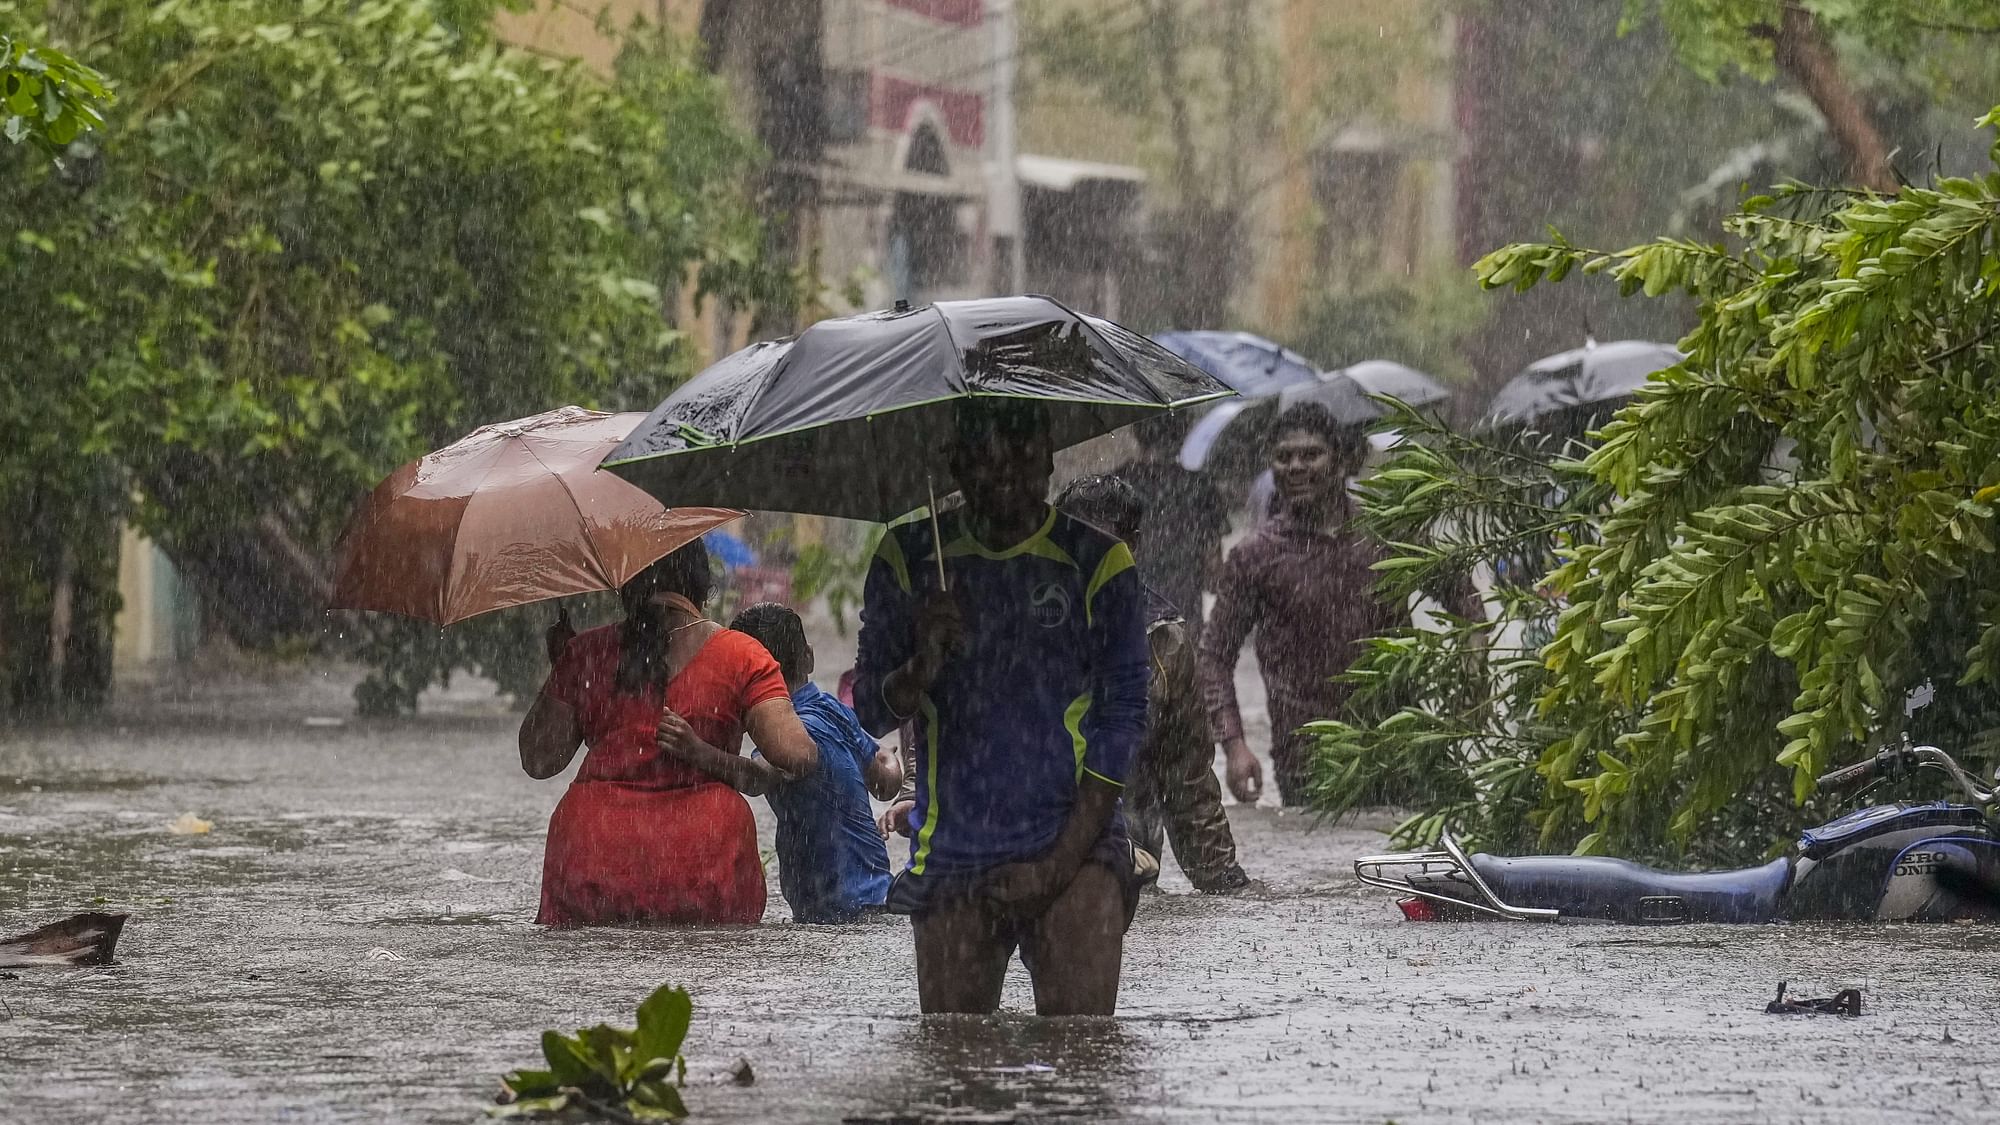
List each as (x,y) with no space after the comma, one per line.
(188,824)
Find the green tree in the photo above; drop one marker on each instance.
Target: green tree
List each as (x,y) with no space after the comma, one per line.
(1813,44)
(320,237)
(1782,537)
(47,98)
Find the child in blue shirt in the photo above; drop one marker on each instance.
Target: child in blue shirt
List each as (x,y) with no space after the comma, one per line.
(832,865)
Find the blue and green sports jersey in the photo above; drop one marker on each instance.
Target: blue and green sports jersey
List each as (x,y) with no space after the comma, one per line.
(1051,685)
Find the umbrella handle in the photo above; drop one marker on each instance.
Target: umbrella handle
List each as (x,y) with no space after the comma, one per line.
(937,536)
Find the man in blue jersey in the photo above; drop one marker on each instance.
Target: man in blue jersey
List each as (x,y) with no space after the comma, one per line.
(1025,673)
(832,866)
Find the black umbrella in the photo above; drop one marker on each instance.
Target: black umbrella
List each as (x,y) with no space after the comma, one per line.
(1587,376)
(851,417)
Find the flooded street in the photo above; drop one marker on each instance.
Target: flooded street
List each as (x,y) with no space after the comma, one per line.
(363,356)
(352,942)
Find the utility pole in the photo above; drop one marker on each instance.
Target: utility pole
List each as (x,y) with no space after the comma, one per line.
(787,38)
(1004,221)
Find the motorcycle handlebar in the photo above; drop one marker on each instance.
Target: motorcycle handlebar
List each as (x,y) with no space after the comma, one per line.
(1894,762)
(1849,776)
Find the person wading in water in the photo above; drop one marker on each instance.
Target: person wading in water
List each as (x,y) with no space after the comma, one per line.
(653,831)
(1026,675)
(1171,793)
(832,866)
(1304,583)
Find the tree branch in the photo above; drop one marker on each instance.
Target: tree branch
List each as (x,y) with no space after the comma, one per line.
(1804,54)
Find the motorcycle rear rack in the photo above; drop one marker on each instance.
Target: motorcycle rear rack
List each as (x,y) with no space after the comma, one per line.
(1392,872)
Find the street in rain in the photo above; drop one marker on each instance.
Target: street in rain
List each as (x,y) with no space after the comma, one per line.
(937,561)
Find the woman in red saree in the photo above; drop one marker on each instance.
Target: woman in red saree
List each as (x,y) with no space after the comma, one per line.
(654,829)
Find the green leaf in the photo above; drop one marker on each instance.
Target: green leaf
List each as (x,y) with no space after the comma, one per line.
(531,1083)
(569,1058)
(656,1101)
(611,1054)
(663,1024)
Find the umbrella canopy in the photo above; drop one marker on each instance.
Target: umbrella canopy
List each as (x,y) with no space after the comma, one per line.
(1390,379)
(1344,393)
(1586,376)
(1247,364)
(510,514)
(851,417)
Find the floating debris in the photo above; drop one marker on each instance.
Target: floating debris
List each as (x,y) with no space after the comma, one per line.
(1846,1002)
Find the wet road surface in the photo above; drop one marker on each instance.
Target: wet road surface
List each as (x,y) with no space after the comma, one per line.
(352,942)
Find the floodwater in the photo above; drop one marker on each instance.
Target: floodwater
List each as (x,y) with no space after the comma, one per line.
(353,942)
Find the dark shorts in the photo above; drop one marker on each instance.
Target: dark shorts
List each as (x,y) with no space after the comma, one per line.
(917,895)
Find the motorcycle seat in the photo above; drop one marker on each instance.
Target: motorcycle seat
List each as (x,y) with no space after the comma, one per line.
(1619,890)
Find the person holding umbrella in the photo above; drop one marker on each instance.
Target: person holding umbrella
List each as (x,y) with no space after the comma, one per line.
(516,513)
(1012,635)
(1015,635)
(655,830)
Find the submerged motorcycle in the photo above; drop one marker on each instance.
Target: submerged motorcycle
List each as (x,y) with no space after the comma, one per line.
(1904,862)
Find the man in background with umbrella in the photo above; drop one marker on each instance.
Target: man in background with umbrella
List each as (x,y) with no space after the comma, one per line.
(1015,636)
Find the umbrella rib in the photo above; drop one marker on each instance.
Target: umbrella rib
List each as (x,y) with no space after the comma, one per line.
(771,377)
(583,519)
(1104,345)
(952,339)
(445,599)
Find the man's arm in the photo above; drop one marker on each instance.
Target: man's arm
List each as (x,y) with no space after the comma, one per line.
(1044,878)
(1237,611)
(1121,667)
(888,636)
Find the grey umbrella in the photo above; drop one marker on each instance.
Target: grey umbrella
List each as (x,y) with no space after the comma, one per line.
(1592,374)
(1344,393)
(1390,379)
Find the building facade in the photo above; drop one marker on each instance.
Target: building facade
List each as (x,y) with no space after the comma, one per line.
(1314,140)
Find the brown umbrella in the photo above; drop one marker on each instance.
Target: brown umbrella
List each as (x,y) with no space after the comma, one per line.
(512,513)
